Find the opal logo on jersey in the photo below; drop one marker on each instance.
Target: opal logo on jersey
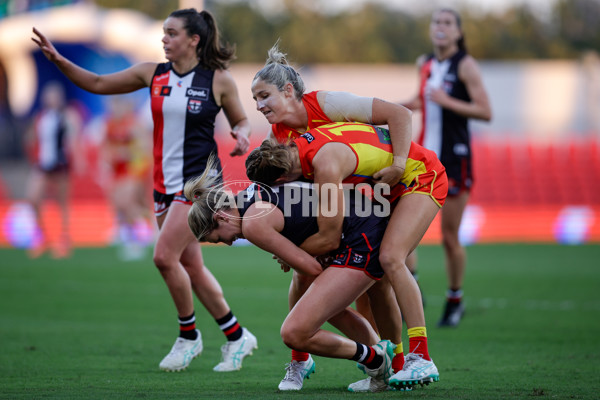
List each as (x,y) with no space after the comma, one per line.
(197,92)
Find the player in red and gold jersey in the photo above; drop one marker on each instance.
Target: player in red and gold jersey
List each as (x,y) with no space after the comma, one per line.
(280,95)
(349,152)
(372,148)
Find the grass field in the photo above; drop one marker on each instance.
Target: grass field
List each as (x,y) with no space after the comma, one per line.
(93,327)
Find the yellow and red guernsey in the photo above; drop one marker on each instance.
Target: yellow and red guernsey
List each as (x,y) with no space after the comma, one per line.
(373,149)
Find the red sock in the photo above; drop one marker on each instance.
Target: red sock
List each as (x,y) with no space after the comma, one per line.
(299,356)
(398,362)
(417,342)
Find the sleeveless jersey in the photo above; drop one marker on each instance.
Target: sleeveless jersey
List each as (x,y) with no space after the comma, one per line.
(316,117)
(372,147)
(443,131)
(50,136)
(184,111)
(297,202)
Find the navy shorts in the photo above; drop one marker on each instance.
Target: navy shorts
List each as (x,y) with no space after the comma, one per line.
(60,167)
(460,176)
(359,248)
(162,201)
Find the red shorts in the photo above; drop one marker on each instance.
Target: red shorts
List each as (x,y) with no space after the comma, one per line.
(433,183)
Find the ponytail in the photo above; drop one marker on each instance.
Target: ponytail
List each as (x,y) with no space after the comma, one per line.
(212,54)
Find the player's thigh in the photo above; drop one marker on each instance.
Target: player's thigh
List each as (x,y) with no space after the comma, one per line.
(37,186)
(62,181)
(175,235)
(410,219)
(330,293)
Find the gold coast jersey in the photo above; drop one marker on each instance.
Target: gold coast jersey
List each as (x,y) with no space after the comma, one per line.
(373,149)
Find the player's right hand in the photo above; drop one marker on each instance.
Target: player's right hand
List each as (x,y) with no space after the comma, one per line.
(46,46)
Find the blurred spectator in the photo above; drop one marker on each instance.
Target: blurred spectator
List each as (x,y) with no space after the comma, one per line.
(51,142)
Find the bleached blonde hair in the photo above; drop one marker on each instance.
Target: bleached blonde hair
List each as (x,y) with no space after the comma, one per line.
(277,71)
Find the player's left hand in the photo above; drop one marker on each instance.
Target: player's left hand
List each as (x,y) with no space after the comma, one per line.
(438,96)
(390,175)
(285,267)
(325,260)
(242,144)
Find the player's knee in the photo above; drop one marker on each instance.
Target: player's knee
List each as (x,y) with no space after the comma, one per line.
(391,261)
(161,258)
(450,241)
(292,336)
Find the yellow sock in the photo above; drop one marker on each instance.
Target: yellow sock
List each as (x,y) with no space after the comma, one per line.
(398,349)
(398,360)
(417,331)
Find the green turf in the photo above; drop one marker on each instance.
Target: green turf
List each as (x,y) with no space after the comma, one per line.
(93,327)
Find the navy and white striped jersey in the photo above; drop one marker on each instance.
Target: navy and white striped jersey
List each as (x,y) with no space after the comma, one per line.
(444,131)
(184,111)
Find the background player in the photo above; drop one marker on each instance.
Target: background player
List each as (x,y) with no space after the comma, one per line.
(450,93)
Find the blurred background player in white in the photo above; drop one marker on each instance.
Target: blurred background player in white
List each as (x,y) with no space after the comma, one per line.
(450,93)
(126,175)
(52,142)
(187,93)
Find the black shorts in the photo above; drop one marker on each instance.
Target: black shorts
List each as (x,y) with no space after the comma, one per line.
(359,248)
(61,167)
(460,175)
(162,201)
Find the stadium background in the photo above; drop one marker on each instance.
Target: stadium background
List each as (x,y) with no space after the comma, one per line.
(537,164)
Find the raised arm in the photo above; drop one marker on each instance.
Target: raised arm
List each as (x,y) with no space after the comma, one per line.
(264,232)
(126,81)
